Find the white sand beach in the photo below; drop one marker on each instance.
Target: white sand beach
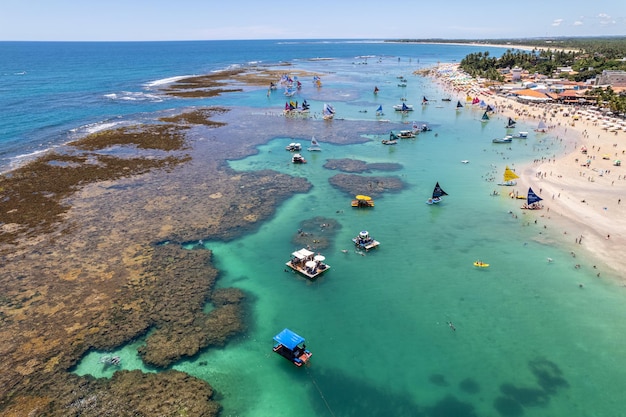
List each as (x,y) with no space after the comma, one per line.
(582,193)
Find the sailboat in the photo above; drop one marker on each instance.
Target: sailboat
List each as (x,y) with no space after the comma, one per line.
(459,106)
(424,101)
(532,201)
(509,177)
(315,146)
(403,107)
(328,112)
(437,194)
(485,117)
(542,127)
(379,111)
(511,124)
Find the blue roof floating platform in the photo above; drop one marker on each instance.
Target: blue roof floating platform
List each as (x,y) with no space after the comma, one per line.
(291,346)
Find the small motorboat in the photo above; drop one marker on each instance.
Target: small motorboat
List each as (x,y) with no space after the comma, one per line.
(298,159)
(481,264)
(506,139)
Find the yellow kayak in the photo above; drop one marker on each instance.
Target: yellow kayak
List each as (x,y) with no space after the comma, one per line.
(481,264)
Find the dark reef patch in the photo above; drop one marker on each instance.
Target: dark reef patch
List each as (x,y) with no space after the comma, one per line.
(360,167)
(369,185)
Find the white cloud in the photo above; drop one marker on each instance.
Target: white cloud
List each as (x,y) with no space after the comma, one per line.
(578,23)
(557,22)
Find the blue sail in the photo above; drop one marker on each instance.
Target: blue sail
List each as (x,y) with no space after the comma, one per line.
(532,197)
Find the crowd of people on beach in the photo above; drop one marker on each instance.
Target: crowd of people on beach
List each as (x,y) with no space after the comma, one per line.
(585,190)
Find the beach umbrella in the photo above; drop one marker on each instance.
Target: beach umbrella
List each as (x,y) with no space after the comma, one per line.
(363,197)
(320,258)
(311,264)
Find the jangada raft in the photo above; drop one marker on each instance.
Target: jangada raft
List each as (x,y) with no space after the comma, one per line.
(509,177)
(532,201)
(437,194)
(291,346)
(307,263)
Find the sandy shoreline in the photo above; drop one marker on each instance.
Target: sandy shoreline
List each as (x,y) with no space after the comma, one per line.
(583,202)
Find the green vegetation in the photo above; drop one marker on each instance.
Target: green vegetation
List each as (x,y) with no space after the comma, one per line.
(587,57)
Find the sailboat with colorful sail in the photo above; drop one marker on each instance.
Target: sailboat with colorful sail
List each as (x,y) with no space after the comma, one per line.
(511,124)
(485,117)
(315,146)
(509,177)
(437,194)
(424,100)
(328,111)
(532,201)
(379,111)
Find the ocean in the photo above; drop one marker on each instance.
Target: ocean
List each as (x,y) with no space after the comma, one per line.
(529,337)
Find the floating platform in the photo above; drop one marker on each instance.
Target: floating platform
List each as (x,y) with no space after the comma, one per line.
(307,263)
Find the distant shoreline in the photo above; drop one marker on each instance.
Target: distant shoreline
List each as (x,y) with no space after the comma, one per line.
(491,45)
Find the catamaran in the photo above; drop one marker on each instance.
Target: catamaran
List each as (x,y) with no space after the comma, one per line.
(485,117)
(437,194)
(509,177)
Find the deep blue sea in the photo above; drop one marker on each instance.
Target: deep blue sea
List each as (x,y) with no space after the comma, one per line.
(529,340)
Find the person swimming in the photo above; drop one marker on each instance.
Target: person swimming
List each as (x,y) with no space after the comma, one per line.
(451,325)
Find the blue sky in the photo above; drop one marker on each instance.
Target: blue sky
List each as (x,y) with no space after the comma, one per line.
(127,20)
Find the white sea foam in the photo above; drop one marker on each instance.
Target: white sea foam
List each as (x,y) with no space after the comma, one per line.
(165,81)
(135,96)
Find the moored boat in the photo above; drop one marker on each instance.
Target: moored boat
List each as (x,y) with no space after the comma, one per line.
(308,263)
(365,241)
(521,135)
(506,139)
(315,146)
(532,201)
(293,147)
(291,346)
(403,107)
(511,124)
(509,177)
(362,201)
(298,159)
(328,111)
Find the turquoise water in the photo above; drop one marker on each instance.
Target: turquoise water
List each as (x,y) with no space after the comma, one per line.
(529,340)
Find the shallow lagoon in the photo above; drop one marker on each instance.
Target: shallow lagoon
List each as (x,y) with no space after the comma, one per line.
(528,341)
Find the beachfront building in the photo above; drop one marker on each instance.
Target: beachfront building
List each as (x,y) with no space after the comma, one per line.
(614,78)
